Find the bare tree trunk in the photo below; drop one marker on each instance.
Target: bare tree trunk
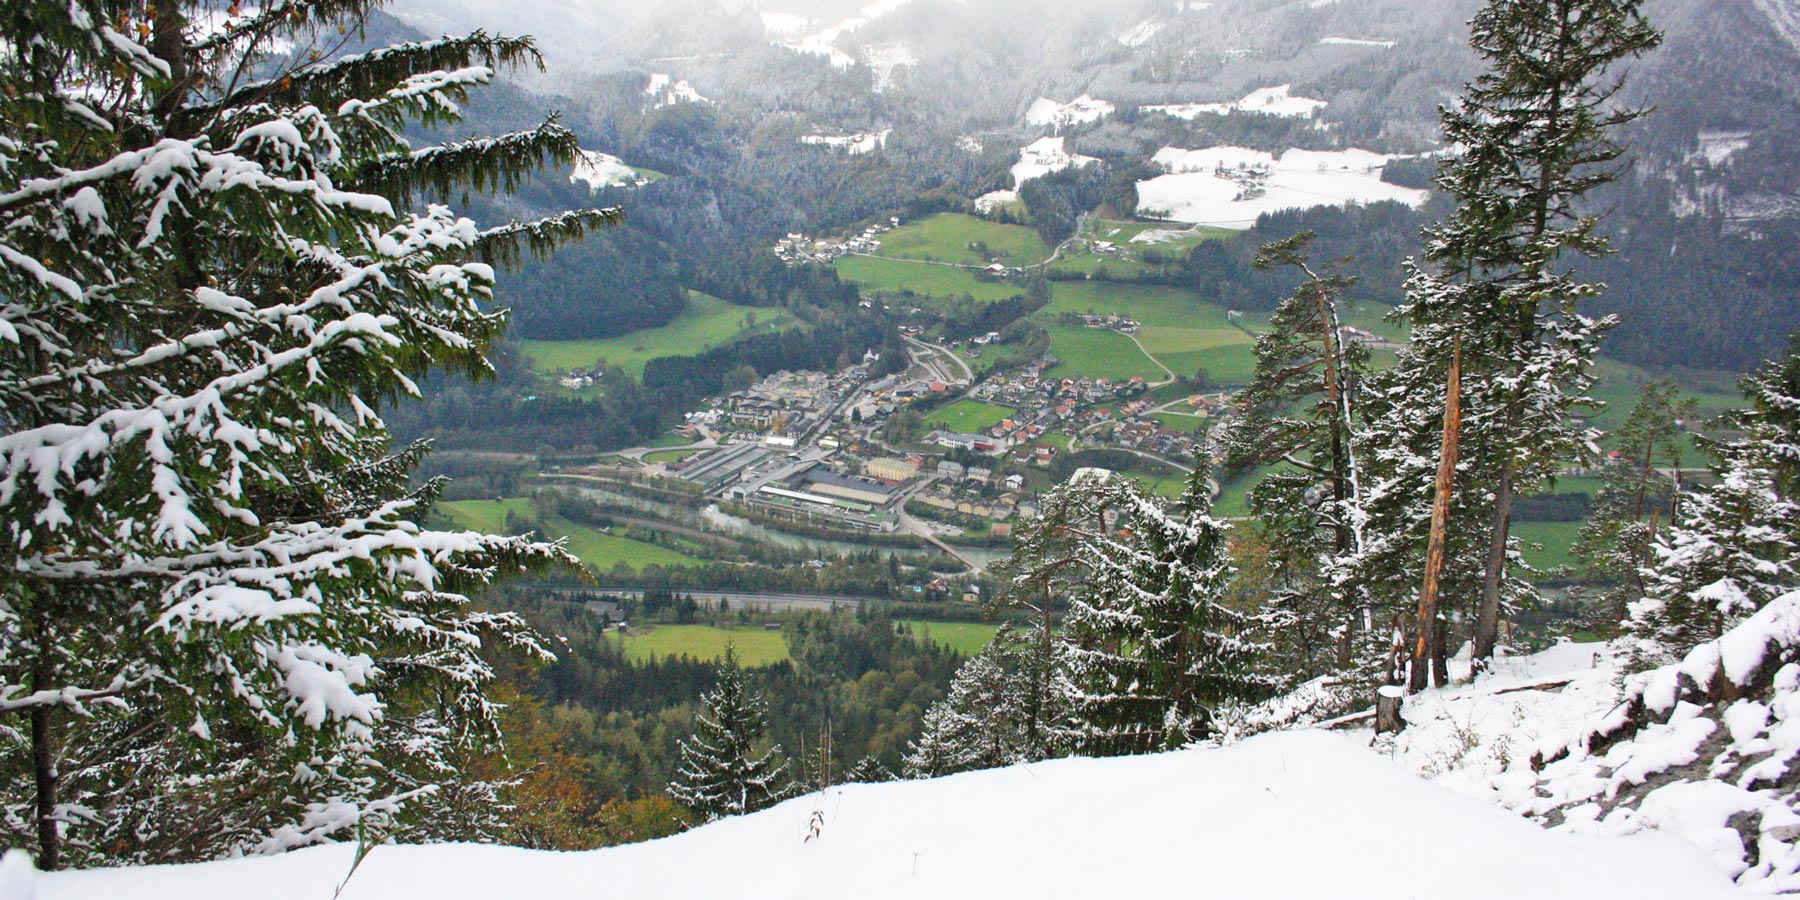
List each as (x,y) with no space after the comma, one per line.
(43,772)
(1440,516)
(1487,618)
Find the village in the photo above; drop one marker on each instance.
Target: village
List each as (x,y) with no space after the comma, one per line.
(822,449)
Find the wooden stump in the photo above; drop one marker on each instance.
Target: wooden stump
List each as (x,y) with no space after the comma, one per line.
(1387,709)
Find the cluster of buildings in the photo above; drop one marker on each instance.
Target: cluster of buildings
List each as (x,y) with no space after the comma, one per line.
(797,248)
(575,381)
(1113,321)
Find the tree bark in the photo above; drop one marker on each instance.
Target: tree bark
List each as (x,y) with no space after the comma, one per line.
(1426,632)
(1387,710)
(1487,618)
(44,778)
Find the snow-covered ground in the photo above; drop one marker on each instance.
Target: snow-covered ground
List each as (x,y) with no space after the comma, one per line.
(883,59)
(1357,42)
(668,92)
(992,200)
(1269,101)
(853,144)
(1705,749)
(1229,187)
(823,42)
(1140,33)
(1292,815)
(600,170)
(1045,111)
(1716,147)
(1045,155)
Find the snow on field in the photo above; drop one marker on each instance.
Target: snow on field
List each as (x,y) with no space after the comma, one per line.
(668,92)
(1356,42)
(1270,101)
(1718,146)
(992,200)
(883,59)
(854,144)
(783,23)
(1229,187)
(824,41)
(1141,33)
(1303,814)
(603,170)
(1082,109)
(1045,155)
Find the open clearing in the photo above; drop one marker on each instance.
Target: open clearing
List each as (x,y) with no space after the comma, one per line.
(967,416)
(890,276)
(1178,328)
(755,646)
(707,322)
(966,638)
(1098,353)
(946,237)
(600,551)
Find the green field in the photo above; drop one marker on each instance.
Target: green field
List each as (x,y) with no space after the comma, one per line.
(1098,353)
(755,646)
(946,238)
(1556,537)
(966,638)
(887,276)
(597,549)
(1076,258)
(967,416)
(1179,329)
(669,456)
(707,322)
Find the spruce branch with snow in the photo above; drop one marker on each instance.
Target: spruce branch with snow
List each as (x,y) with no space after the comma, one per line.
(222,628)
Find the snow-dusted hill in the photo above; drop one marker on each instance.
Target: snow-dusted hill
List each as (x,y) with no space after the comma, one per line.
(1290,815)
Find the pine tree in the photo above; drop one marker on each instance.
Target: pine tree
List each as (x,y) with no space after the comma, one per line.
(223,629)
(720,772)
(1635,499)
(1537,127)
(1535,131)
(1299,419)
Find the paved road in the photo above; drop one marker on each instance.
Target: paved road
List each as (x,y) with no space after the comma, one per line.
(741,599)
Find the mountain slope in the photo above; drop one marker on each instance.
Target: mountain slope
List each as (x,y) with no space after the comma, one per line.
(1303,814)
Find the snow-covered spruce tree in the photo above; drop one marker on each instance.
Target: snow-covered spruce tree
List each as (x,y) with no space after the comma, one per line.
(221,628)
(1149,650)
(720,772)
(1635,500)
(978,725)
(1299,421)
(1535,129)
(1732,553)
(1735,544)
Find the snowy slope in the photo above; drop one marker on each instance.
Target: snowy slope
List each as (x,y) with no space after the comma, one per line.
(1707,749)
(1292,815)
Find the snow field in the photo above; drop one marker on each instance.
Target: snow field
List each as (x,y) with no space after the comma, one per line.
(1270,101)
(1043,156)
(1081,110)
(1228,187)
(600,170)
(1297,814)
